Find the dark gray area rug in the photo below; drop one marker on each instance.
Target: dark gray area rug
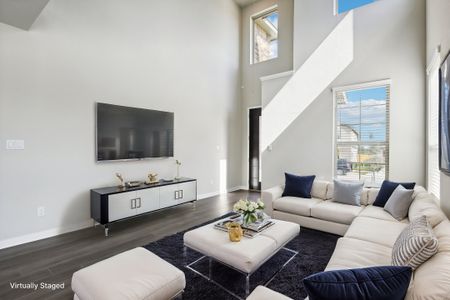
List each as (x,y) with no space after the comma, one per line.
(315,249)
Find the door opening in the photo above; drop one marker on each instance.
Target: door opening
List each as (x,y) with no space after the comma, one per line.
(254,159)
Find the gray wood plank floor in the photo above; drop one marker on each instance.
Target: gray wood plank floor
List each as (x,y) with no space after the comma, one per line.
(55,259)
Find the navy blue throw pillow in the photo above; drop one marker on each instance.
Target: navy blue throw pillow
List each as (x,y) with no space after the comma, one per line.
(386,190)
(376,283)
(298,186)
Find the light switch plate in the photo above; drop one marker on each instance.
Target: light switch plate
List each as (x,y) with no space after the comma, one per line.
(15,144)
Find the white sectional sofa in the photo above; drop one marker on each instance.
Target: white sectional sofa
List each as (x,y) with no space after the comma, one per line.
(369,233)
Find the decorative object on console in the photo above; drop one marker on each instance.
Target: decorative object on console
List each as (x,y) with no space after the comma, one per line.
(152,178)
(235,232)
(415,245)
(298,186)
(249,210)
(348,192)
(399,202)
(385,282)
(178,169)
(386,190)
(122,182)
(133,183)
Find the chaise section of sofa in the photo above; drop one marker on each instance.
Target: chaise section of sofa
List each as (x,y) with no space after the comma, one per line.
(369,232)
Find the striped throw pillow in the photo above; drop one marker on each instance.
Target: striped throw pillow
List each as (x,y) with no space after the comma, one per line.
(415,244)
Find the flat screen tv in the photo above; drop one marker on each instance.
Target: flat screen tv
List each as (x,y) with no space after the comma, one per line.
(133,133)
(444,116)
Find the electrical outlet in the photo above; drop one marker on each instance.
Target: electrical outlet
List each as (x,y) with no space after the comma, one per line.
(41,211)
(15,144)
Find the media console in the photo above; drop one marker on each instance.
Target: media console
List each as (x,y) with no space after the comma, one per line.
(112,204)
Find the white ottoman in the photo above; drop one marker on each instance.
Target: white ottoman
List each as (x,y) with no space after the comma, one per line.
(263,293)
(133,275)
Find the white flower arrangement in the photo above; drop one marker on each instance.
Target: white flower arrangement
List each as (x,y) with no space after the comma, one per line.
(248,209)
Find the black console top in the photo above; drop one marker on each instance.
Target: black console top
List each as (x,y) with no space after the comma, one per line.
(116,189)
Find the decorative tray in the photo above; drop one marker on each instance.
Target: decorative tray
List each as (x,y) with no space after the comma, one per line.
(249,231)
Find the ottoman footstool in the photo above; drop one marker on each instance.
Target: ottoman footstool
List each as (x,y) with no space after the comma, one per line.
(133,275)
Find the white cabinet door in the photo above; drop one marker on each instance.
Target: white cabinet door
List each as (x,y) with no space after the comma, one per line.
(147,200)
(167,195)
(121,206)
(187,191)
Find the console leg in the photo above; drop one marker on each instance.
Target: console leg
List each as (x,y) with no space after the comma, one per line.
(106,231)
(194,204)
(185,255)
(247,285)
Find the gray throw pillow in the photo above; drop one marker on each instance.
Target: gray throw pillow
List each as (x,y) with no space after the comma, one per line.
(415,245)
(348,192)
(399,202)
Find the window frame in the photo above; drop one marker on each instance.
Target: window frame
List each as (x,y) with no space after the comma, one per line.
(362,86)
(253,17)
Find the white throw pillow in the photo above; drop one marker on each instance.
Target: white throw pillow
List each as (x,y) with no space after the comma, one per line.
(399,202)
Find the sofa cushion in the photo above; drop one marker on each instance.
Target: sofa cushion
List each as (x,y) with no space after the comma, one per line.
(352,253)
(263,293)
(399,202)
(295,205)
(372,194)
(335,212)
(347,192)
(424,204)
(415,245)
(386,190)
(381,283)
(377,231)
(298,186)
(319,189)
(379,213)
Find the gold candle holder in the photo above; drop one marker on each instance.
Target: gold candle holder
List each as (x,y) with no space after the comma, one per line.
(235,232)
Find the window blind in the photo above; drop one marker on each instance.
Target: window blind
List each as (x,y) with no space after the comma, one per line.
(362,133)
(433,172)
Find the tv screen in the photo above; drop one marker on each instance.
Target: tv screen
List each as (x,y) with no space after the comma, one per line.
(133,133)
(444,116)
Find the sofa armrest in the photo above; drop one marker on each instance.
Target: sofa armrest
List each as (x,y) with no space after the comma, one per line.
(263,293)
(269,195)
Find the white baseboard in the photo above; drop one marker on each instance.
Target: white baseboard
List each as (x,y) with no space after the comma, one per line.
(27,238)
(217,193)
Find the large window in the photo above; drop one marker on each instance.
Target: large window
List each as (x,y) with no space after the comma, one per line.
(362,132)
(433,173)
(265,36)
(341,6)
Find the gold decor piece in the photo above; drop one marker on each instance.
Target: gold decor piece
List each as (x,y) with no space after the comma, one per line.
(152,178)
(235,232)
(122,182)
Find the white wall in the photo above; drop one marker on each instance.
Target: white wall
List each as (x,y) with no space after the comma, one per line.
(251,73)
(389,42)
(180,56)
(438,34)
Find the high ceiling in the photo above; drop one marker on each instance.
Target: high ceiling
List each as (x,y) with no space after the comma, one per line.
(243,3)
(21,13)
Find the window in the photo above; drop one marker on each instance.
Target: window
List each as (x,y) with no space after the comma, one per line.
(362,132)
(433,173)
(342,6)
(265,36)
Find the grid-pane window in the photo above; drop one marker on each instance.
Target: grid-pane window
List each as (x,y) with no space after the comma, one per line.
(265,36)
(342,6)
(362,133)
